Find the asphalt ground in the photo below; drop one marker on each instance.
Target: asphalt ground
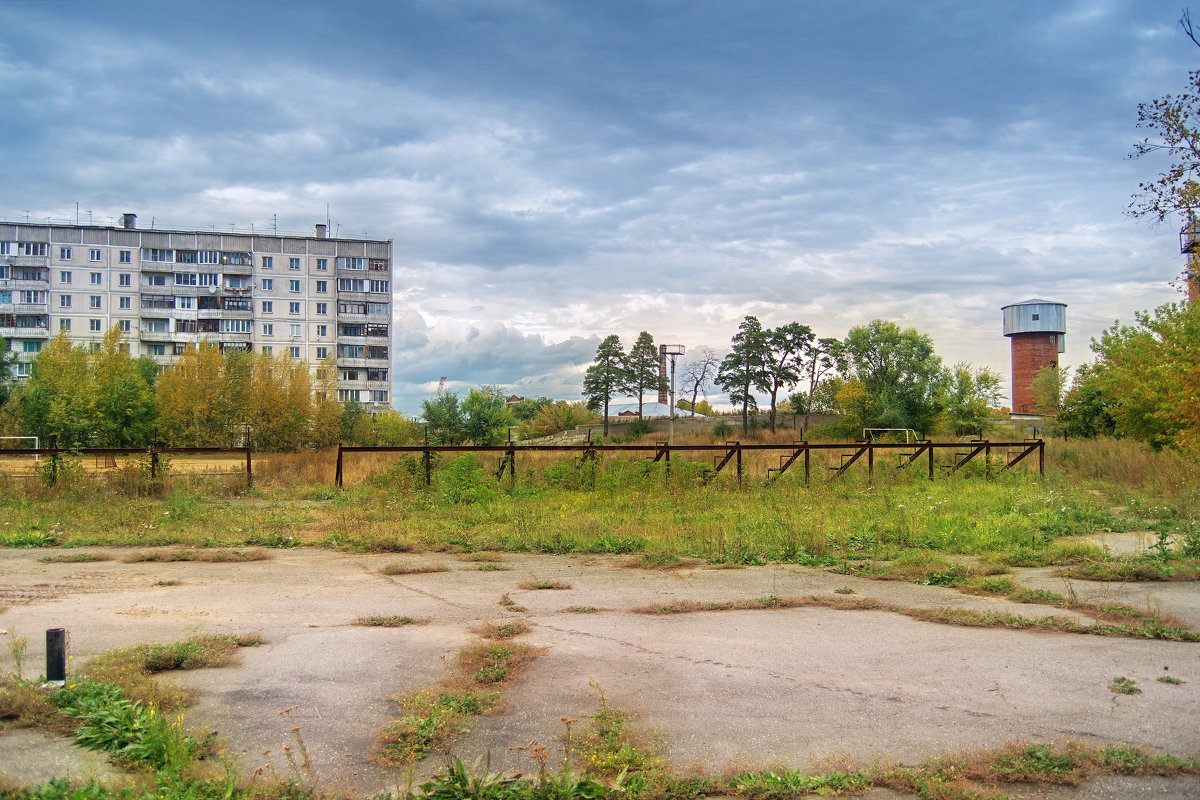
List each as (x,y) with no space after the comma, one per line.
(718,690)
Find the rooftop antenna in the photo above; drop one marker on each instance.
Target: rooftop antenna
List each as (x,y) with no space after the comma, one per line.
(76,212)
(27,215)
(327,225)
(89,217)
(275,223)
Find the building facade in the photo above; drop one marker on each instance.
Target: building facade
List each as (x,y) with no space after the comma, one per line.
(309,296)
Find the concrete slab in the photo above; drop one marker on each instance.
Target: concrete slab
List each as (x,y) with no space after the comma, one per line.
(749,687)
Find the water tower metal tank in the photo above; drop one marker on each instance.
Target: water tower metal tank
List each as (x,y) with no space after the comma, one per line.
(1038,330)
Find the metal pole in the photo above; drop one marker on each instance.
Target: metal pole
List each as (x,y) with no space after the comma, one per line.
(987,461)
(930,461)
(337,475)
(1041,457)
(428,456)
(56,655)
(153,464)
(806,454)
(870,464)
(250,468)
(739,462)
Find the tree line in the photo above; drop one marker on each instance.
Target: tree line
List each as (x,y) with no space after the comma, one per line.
(101,396)
(879,376)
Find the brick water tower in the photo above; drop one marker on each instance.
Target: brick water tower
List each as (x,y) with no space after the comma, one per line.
(1037,329)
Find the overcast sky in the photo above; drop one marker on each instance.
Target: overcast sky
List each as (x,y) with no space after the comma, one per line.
(553,172)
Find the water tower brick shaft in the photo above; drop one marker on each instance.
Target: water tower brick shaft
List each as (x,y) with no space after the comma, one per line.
(1031,353)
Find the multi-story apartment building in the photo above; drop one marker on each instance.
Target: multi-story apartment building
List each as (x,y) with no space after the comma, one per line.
(311,296)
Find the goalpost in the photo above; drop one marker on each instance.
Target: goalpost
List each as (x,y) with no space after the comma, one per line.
(36,443)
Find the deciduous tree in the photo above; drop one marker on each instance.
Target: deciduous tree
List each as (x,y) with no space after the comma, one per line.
(899,372)
(787,354)
(698,375)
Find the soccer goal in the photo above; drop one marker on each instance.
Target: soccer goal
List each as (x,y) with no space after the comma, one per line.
(36,445)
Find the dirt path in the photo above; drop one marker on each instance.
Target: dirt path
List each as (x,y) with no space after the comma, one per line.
(719,687)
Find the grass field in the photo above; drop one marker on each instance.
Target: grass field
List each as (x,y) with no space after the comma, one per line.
(902,525)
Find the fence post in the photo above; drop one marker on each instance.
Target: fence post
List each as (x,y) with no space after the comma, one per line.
(987,461)
(428,456)
(870,462)
(56,655)
(806,452)
(1041,457)
(153,465)
(930,451)
(337,474)
(249,469)
(738,445)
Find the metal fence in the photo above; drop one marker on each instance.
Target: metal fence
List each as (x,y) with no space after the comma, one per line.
(106,459)
(954,455)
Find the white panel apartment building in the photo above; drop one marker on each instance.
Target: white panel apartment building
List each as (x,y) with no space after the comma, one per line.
(310,296)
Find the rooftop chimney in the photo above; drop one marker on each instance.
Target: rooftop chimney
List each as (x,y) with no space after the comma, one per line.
(129,221)
(322,230)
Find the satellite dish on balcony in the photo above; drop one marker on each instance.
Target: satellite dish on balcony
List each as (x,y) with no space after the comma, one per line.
(212,290)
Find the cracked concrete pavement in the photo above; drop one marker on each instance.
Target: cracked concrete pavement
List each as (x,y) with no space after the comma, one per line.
(716,688)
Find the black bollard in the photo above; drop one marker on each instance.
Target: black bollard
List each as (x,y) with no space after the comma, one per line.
(56,654)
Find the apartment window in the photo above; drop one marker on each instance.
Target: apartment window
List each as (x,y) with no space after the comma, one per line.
(64,301)
(234,326)
(295,330)
(158,301)
(123,325)
(344,262)
(31,296)
(125,302)
(268,329)
(125,256)
(349,374)
(64,253)
(31,248)
(268,284)
(322,353)
(267,349)
(124,279)
(64,276)
(237,282)
(33,346)
(268,307)
(97,278)
(293,286)
(5,248)
(322,287)
(64,324)
(94,325)
(293,263)
(268,262)
(24,370)
(187,326)
(94,301)
(293,308)
(155,279)
(185,257)
(322,309)
(376,374)
(187,279)
(209,279)
(236,303)
(208,257)
(185,302)
(94,254)
(156,254)
(156,349)
(295,351)
(350,351)
(376,351)
(322,330)
(379,396)
(155,326)
(322,264)
(352,285)
(381,286)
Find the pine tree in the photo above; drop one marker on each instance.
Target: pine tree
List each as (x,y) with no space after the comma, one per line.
(745,367)
(641,369)
(605,377)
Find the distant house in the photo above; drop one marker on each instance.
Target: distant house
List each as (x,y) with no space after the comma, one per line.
(649,411)
(513,400)
(628,413)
